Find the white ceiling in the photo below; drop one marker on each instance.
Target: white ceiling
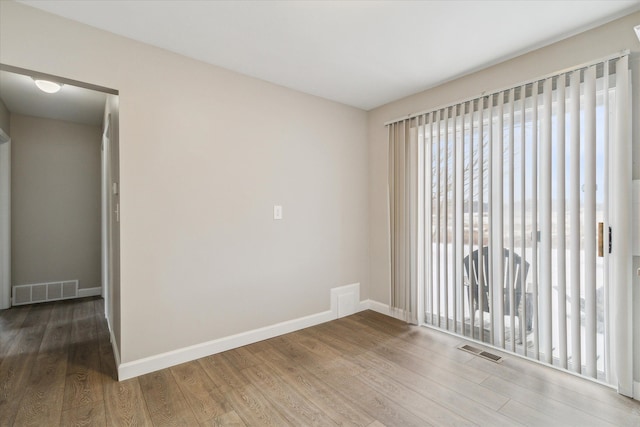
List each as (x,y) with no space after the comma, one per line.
(71,103)
(360,53)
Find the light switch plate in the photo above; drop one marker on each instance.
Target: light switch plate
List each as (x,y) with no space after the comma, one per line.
(277,212)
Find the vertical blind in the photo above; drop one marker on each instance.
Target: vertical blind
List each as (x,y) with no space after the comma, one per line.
(403,185)
(494,204)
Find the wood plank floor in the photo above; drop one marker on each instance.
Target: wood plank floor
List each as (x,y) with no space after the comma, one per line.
(57,368)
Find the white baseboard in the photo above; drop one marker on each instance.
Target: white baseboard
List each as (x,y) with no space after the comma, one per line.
(89,292)
(636,390)
(364,305)
(343,297)
(379,307)
(387,311)
(150,364)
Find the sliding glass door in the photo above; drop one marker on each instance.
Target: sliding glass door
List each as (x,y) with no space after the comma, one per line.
(514,205)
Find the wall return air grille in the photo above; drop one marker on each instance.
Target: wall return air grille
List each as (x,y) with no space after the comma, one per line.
(44,292)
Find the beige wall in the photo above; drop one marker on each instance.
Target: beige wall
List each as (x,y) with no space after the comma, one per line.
(204,155)
(55,201)
(4,118)
(585,47)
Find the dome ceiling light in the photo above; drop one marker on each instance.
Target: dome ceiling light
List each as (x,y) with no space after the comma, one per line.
(48,86)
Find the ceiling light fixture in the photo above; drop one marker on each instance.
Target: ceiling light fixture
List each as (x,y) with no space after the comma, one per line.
(47,86)
(637,28)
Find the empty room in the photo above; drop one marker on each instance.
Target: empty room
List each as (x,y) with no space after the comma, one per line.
(296,213)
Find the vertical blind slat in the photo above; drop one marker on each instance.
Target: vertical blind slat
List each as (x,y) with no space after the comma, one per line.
(400,188)
(590,220)
(472,271)
(438,286)
(429,188)
(459,217)
(400,215)
(498,225)
(534,218)
(392,205)
(574,217)
(523,224)
(460,214)
(454,209)
(510,222)
(410,265)
(481,274)
(425,218)
(445,251)
(560,221)
(416,232)
(489,274)
(545,225)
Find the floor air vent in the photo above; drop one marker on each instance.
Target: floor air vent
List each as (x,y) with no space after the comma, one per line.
(479,352)
(44,292)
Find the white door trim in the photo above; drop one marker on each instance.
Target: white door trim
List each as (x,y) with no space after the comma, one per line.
(5,220)
(105,241)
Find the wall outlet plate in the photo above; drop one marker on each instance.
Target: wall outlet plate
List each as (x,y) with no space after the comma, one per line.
(277,212)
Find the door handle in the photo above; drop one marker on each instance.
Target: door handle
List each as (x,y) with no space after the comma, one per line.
(601,239)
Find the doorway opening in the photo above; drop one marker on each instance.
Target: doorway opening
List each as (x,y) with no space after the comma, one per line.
(59,190)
